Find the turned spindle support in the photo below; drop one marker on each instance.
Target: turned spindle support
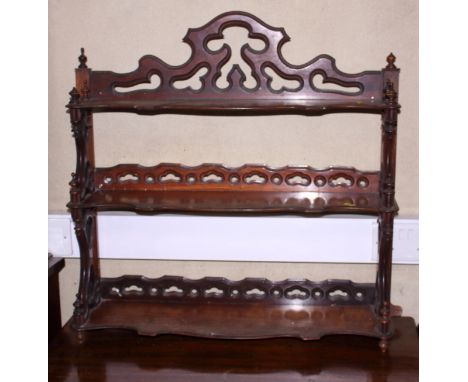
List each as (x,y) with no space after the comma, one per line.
(387,194)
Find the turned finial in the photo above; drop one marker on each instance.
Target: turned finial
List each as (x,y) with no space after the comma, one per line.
(82,58)
(391,61)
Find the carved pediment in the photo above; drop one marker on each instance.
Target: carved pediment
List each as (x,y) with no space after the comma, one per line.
(211,63)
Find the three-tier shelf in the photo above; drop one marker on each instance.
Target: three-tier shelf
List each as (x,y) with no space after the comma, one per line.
(215,307)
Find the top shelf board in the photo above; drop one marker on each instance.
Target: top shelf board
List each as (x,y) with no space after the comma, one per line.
(238,106)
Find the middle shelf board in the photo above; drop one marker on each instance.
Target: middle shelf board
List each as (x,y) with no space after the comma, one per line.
(216,188)
(249,177)
(233,201)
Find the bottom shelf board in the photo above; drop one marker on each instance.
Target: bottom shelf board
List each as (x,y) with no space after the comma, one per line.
(238,321)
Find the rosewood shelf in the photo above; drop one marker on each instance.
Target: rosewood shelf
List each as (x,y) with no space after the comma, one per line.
(216,307)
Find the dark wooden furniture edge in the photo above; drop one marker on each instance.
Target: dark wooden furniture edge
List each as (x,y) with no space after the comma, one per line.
(102,91)
(111,355)
(55,265)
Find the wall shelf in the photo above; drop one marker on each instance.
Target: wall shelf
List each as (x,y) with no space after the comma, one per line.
(212,306)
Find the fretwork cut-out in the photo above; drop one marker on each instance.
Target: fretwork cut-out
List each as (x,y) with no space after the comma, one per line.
(320,83)
(194,82)
(279,83)
(236,40)
(170,177)
(154,83)
(127,178)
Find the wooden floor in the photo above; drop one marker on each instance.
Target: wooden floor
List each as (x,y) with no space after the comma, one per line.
(111,355)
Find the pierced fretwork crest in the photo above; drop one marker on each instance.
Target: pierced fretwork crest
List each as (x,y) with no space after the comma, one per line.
(212,60)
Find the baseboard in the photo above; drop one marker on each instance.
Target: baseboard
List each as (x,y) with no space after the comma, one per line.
(336,239)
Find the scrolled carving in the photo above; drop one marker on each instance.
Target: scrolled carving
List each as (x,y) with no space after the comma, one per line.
(88,292)
(103,84)
(80,130)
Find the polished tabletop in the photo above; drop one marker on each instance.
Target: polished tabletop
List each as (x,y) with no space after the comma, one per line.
(111,355)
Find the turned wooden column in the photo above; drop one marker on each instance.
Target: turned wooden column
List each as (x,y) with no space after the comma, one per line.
(387,194)
(84,219)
